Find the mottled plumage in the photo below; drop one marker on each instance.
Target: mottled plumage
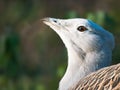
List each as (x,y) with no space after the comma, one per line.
(107,78)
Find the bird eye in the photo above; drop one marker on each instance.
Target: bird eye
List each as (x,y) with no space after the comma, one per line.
(81,28)
(55,21)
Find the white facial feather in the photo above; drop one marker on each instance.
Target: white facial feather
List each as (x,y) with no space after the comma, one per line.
(89,48)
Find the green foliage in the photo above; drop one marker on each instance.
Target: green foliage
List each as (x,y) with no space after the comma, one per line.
(72,14)
(98,17)
(2,51)
(60,71)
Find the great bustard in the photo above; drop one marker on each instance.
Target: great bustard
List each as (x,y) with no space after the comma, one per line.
(89,47)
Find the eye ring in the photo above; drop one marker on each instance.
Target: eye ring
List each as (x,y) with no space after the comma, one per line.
(81,28)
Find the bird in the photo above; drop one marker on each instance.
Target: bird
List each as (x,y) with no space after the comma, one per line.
(89,47)
(107,78)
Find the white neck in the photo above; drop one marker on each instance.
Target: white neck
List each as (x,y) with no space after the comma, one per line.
(79,66)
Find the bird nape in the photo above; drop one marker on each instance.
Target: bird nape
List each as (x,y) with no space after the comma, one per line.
(89,47)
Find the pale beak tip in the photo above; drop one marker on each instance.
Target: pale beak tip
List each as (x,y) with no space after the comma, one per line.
(45,19)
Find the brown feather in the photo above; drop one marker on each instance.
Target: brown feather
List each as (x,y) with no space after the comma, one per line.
(107,78)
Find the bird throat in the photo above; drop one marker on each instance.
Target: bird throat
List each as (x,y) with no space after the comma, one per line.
(76,67)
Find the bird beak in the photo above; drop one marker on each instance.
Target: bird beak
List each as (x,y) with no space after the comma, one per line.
(46,20)
(52,22)
(49,20)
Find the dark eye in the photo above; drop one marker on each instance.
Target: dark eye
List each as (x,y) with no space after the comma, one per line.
(55,21)
(81,28)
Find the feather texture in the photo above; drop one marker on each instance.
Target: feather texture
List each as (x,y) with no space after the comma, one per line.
(107,78)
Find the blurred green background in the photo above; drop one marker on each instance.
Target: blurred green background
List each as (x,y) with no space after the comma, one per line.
(32,56)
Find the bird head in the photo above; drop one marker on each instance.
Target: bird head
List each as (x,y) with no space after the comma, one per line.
(80,33)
